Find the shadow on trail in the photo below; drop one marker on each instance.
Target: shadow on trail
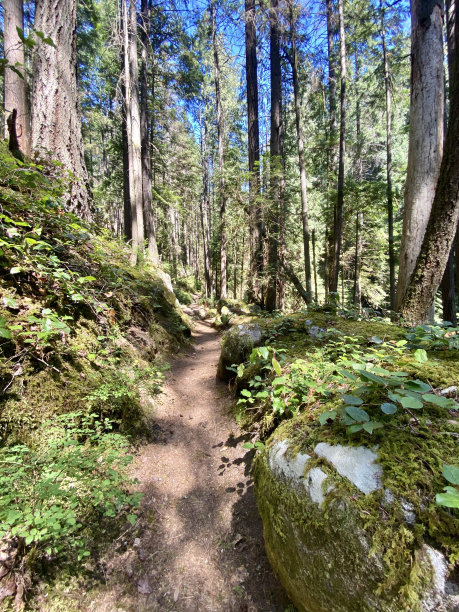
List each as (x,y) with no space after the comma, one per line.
(198,546)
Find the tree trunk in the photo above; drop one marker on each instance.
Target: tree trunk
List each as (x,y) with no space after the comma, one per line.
(426,133)
(16,88)
(448,284)
(150,233)
(358,261)
(56,124)
(127,213)
(275,158)
(390,203)
(332,152)
(338,225)
(332,97)
(203,208)
(443,219)
(131,78)
(448,292)
(301,160)
(289,272)
(221,158)
(255,213)
(314,264)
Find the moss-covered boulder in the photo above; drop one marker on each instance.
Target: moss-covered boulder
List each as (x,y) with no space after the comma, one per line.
(338,538)
(237,345)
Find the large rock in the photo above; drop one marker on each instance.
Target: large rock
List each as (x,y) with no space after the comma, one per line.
(318,542)
(236,347)
(168,289)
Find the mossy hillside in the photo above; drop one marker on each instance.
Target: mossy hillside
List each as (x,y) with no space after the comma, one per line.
(81,329)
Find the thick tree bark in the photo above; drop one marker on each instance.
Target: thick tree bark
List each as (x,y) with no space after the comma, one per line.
(448,284)
(441,228)
(13,144)
(147,197)
(56,124)
(275,155)
(338,225)
(358,261)
(131,78)
(314,264)
(448,292)
(127,213)
(389,193)
(426,132)
(332,96)
(301,160)
(16,88)
(332,152)
(255,212)
(204,205)
(221,158)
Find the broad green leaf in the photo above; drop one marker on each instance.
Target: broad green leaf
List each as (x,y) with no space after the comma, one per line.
(357,414)
(420,355)
(263,352)
(373,377)
(246,393)
(388,408)
(408,393)
(328,415)
(262,394)
(352,399)
(348,374)
(276,366)
(86,279)
(5,333)
(411,402)
(417,385)
(354,429)
(370,426)
(451,473)
(15,270)
(438,400)
(450,498)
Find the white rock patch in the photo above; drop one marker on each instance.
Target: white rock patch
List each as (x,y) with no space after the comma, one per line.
(313,485)
(356,463)
(292,468)
(439,565)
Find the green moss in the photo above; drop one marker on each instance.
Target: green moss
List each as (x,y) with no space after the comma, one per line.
(118,317)
(411,450)
(329,558)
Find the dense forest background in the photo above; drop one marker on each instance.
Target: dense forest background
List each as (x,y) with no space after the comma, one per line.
(247,145)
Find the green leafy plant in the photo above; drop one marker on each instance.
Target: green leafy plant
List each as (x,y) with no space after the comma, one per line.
(381,392)
(440,337)
(50,496)
(450,496)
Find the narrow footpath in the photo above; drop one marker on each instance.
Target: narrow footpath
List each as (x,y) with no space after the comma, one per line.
(202,548)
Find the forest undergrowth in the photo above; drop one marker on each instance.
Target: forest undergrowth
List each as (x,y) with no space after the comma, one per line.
(84,338)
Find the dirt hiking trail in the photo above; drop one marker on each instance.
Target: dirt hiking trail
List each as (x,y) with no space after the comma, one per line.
(200,544)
